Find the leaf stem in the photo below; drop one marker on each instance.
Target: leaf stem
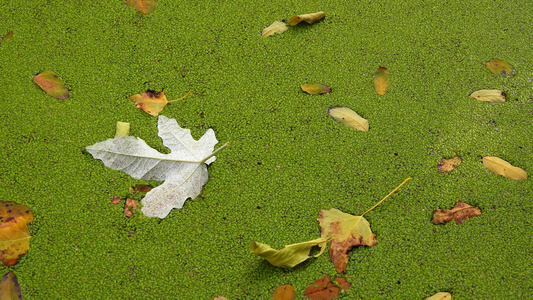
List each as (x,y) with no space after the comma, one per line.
(214,152)
(180,98)
(409,178)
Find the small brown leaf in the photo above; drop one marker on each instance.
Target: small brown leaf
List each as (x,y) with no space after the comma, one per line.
(445,165)
(141,188)
(131,204)
(116,200)
(381,80)
(316,88)
(277,27)
(309,18)
(284,292)
(324,289)
(500,67)
(7,36)
(9,287)
(152,102)
(495,96)
(52,84)
(459,213)
(501,167)
(142,6)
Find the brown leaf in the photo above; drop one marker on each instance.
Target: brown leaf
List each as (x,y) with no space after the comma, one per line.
(8,36)
(324,289)
(500,67)
(141,188)
(381,80)
(9,287)
(131,204)
(495,96)
(445,165)
(152,102)
(284,292)
(309,18)
(52,84)
(316,88)
(459,213)
(14,234)
(278,27)
(501,167)
(115,200)
(142,6)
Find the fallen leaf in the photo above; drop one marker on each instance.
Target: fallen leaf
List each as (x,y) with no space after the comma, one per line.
(445,165)
(276,27)
(142,6)
(316,88)
(440,296)
(141,188)
(309,18)
(152,102)
(348,231)
(500,67)
(184,170)
(131,205)
(14,234)
(501,167)
(381,80)
(8,36)
(495,96)
(289,256)
(324,289)
(284,292)
(9,287)
(220,298)
(52,84)
(116,200)
(348,117)
(459,213)
(122,128)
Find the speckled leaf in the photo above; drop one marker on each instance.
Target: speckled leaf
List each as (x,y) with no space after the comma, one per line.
(501,167)
(14,234)
(348,117)
(289,256)
(500,67)
(284,292)
(440,296)
(152,102)
(496,96)
(142,6)
(52,84)
(381,80)
(309,18)
(316,88)
(459,213)
(277,27)
(9,287)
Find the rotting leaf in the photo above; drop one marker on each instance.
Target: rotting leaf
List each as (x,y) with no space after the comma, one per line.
(9,287)
(381,80)
(152,102)
(501,167)
(142,6)
(445,165)
(8,36)
(278,27)
(459,213)
(14,234)
(440,296)
(141,188)
(309,18)
(348,117)
(284,292)
(131,205)
(324,289)
(495,96)
(290,255)
(316,88)
(500,67)
(348,231)
(52,84)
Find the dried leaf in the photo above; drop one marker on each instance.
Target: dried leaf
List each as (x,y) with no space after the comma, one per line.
(316,88)
(14,234)
(348,117)
(440,296)
(8,36)
(445,165)
(122,128)
(289,256)
(152,102)
(500,67)
(141,188)
(284,292)
(381,80)
(9,287)
(52,84)
(131,205)
(459,213)
(115,200)
(501,167)
(142,6)
(276,27)
(324,289)
(309,18)
(496,96)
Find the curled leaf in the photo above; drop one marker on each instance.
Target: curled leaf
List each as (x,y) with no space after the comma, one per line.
(309,18)
(152,102)
(9,287)
(500,67)
(496,96)
(381,80)
(142,6)
(14,234)
(122,128)
(284,292)
(276,27)
(459,213)
(316,88)
(445,165)
(348,117)
(440,296)
(324,288)
(501,167)
(52,84)
(289,256)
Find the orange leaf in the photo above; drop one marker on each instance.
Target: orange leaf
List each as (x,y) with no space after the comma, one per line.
(459,213)
(142,6)
(9,287)
(152,102)
(381,80)
(445,165)
(52,84)
(324,289)
(316,88)
(14,234)
(284,292)
(500,67)
(131,205)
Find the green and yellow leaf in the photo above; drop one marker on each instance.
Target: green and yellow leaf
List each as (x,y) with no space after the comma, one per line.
(500,67)
(316,88)
(52,84)
(289,256)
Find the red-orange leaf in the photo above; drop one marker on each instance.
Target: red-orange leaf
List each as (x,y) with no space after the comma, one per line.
(142,6)
(381,80)
(14,234)
(284,292)
(9,287)
(324,289)
(459,213)
(152,102)
(52,84)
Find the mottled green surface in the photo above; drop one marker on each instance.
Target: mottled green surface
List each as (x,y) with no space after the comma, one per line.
(288,159)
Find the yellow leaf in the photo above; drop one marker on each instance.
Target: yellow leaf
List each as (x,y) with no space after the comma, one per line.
(381,80)
(309,18)
(122,128)
(440,296)
(500,67)
(142,6)
(348,117)
(14,234)
(496,96)
(316,88)
(284,292)
(289,256)
(52,84)
(152,102)
(276,27)
(501,167)
(9,287)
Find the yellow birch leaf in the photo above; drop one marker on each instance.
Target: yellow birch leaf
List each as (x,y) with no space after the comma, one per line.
(289,256)
(142,6)
(495,96)
(500,67)
(501,167)
(348,117)
(440,296)
(152,102)
(9,287)
(316,88)
(309,18)
(52,84)
(381,80)
(276,27)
